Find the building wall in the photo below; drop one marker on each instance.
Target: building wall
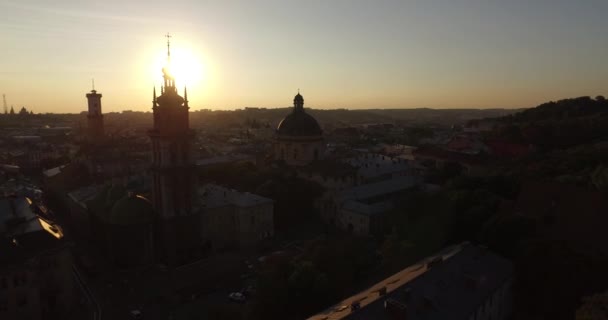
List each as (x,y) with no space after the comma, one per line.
(218,225)
(329,182)
(254,224)
(231,227)
(300,151)
(79,218)
(354,222)
(497,306)
(40,288)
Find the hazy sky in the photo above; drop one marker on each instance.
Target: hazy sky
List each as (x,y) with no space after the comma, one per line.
(340,53)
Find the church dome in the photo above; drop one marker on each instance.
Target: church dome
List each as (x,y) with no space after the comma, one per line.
(130,210)
(299,123)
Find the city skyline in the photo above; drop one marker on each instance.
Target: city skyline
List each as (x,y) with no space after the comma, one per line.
(343,54)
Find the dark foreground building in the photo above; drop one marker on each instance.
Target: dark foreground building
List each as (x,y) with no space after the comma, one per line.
(36,280)
(463,282)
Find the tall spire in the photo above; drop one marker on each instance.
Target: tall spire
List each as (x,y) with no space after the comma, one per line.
(168,77)
(93,84)
(168,36)
(185,94)
(154,95)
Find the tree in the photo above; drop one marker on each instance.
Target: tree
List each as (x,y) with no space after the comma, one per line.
(12,110)
(600,98)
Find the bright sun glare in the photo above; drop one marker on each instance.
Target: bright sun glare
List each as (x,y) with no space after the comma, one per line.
(186,67)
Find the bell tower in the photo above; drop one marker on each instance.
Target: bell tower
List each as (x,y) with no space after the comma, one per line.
(172,171)
(95,131)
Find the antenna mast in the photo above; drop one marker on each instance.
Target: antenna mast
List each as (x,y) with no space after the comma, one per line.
(5,106)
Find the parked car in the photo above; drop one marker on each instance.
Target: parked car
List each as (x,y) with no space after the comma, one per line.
(136,314)
(237,297)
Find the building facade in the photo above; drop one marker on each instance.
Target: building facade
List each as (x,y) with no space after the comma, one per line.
(95,128)
(232,219)
(36,280)
(172,171)
(299,138)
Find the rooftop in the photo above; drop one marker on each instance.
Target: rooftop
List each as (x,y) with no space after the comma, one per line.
(371,190)
(214,196)
(448,285)
(373,165)
(367,209)
(22,232)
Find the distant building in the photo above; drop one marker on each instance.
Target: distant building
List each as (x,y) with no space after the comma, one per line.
(330,174)
(299,138)
(437,158)
(376,167)
(462,282)
(95,129)
(362,209)
(233,219)
(36,280)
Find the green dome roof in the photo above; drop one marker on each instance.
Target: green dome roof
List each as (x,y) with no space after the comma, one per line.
(131,209)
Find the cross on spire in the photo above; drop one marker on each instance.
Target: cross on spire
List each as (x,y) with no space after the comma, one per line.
(168,36)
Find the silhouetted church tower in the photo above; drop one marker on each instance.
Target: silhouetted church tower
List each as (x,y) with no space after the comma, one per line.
(95,130)
(173,171)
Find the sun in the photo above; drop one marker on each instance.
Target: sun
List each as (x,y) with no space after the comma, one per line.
(185,66)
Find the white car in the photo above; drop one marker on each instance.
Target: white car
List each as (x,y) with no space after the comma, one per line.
(236,297)
(136,314)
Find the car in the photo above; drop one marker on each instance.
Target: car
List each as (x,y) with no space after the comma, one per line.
(136,314)
(237,297)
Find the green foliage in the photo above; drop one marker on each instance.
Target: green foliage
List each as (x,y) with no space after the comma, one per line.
(558,124)
(326,270)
